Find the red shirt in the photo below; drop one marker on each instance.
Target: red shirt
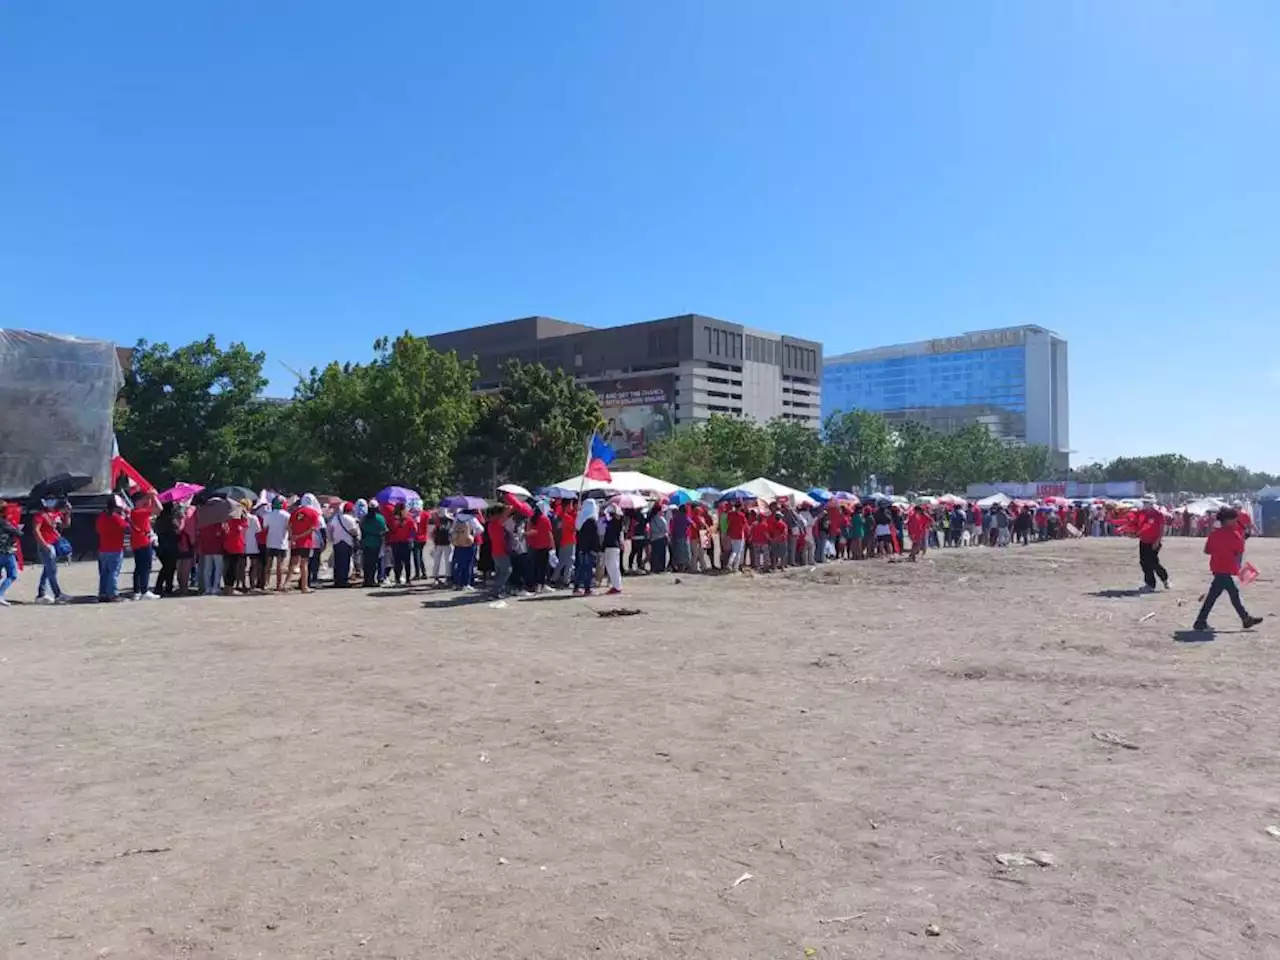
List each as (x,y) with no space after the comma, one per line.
(917,526)
(400,529)
(778,531)
(47,523)
(422,531)
(760,532)
(569,528)
(302,525)
(737,525)
(210,540)
(233,542)
(140,528)
(1225,547)
(1150,526)
(497,536)
(111,527)
(540,536)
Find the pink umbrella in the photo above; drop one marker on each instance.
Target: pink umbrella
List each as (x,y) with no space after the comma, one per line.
(179,492)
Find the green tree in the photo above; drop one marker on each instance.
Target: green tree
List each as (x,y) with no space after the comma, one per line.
(917,457)
(799,455)
(860,445)
(194,413)
(740,449)
(532,431)
(396,420)
(683,457)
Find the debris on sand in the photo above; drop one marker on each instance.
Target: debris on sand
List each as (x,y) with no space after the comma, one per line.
(1274,831)
(498,605)
(933,930)
(1037,858)
(744,878)
(852,916)
(1146,617)
(1115,741)
(619,612)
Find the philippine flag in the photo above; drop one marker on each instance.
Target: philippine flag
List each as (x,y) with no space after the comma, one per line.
(599,456)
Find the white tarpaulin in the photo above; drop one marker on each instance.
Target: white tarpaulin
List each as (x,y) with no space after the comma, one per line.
(995,498)
(57,401)
(762,488)
(624,481)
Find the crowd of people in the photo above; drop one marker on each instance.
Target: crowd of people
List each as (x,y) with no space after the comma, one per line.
(223,547)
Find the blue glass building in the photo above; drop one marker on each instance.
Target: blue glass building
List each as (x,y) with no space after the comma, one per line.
(1012,380)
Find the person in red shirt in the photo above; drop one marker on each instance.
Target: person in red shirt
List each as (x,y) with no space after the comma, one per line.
(421,534)
(736,524)
(1225,547)
(1150,523)
(209,545)
(918,524)
(141,540)
(49,523)
(759,537)
(400,533)
(496,532)
(568,547)
(541,541)
(303,524)
(234,546)
(111,526)
(778,534)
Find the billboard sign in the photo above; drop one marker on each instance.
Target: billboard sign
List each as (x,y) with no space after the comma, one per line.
(636,411)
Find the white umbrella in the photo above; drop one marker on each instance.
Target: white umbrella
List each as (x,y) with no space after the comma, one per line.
(515,488)
(629,501)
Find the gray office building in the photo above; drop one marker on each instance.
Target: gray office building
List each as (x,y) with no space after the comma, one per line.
(657,373)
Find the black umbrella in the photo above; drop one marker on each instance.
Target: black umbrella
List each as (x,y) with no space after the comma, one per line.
(233,492)
(58,486)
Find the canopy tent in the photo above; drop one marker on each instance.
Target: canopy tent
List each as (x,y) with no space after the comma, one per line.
(624,481)
(762,488)
(995,498)
(1268,493)
(1200,508)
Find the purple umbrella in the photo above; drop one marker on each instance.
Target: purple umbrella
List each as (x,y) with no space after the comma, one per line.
(469,504)
(396,495)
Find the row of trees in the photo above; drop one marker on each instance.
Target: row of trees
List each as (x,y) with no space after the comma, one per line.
(409,416)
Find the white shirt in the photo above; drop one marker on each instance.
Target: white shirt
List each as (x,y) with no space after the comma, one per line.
(277,530)
(338,531)
(251,536)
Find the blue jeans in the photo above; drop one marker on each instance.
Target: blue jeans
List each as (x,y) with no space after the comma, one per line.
(8,567)
(109,565)
(48,572)
(584,570)
(142,569)
(462,570)
(211,574)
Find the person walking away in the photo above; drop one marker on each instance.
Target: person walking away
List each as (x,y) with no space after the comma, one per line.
(277,525)
(918,524)
(658,531)
(883,531)
(495,532)
(317,550)
(612,543)
(679,537)
(1002,527)
(142,539)
(400,534)
(566,543)
(639,541)
(304,521)
(735,527)
(441,548)
(111,526)
(541,540)
(49,524)
(1150,540)
(517,536)
(857,534)
(1225,548)
(584,572)
(760,542)
(210,541)
(251,576)
(233,551)
(10,544)
(344,533)
(463,538)
(373,531)
(421,534)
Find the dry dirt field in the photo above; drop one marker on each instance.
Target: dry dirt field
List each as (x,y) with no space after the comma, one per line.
(810,765)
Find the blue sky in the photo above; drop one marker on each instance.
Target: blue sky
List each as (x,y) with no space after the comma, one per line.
(305,176)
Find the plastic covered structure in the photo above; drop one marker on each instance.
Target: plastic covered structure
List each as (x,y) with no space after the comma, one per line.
(57,400)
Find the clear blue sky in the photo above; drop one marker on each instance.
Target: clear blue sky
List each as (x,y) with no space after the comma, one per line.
(307,174)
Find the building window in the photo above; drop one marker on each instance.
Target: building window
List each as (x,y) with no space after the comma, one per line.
(709,332)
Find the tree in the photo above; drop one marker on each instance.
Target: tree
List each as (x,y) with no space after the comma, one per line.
(682,457)
(799,456)
(917,457)
(740,449)
(860,445)
(396,420)
(194,413)
(533,430)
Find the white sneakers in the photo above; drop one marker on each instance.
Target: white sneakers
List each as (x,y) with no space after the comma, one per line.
(45,600)
(146,596)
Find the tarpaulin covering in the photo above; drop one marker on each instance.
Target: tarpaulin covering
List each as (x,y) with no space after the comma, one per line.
(57,399)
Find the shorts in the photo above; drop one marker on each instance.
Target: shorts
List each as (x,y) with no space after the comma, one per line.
(302,552)
(885,539)
(275,553)
(185,555)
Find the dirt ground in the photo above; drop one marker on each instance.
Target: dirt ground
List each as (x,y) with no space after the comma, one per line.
(393,775)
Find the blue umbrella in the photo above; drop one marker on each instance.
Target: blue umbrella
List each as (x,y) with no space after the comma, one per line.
(821,494)
(736,496)
(844,495)
(396,495)
(469,504)
(681,497)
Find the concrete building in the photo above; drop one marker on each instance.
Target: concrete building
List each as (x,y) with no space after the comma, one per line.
(1012,380)
(657,373)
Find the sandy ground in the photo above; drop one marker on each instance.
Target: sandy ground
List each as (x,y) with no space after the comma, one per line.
(392,775)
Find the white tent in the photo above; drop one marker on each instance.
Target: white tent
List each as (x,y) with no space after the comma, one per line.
(1268,493)
(765,489)
(1201,507)
(992,500)
(624,481)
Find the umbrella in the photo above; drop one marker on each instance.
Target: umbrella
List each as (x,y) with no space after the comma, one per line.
(59,485)
(845,495)
(179,492)
(517,505)
(515,488)
(632,501)
(708,491)
(681,497)
(233,492)
(216,511)
(558,493)
(469,504)
(396,495)
(736,496)
(821,494)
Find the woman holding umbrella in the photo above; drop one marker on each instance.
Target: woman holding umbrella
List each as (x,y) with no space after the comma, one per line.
(49,522)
